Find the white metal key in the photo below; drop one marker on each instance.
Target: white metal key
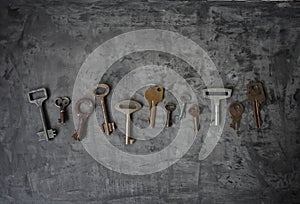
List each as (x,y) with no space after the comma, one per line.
(82,116)
(45,134)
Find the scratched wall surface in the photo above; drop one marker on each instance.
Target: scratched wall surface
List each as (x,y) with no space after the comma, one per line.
(44,43)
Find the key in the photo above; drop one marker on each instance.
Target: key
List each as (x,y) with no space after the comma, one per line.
(184,99)
(153,96)
(195,112)
(82,114)
(107,127)
(170,107)
(256,96)
(62,103)
(127,107)
(236,110)
(215,95)
(45,134)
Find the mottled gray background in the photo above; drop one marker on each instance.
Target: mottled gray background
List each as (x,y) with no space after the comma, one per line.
(44,43)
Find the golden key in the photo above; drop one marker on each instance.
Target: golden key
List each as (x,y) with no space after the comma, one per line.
(153,96)
(107,127)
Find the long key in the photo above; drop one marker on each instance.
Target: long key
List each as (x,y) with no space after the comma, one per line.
(170,107)
(195,112)
(82,116)
(256,96)
(236,110)
(215,95)
(127,107)
(107,127)
(62,103)
(45,134)
(184,99)
(153,96)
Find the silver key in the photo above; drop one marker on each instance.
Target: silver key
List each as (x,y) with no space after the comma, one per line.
(195,112)
(45,134)
(82,116)
(184,99)
(215,95)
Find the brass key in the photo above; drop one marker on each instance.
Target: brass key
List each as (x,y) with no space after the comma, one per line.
(256,95)
(236,110)
(127,107)
(107,127)
(195,112)
(170,107)
(153,96)
(62,103)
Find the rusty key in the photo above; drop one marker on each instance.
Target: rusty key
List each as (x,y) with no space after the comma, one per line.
(256,96)
(62,103)
(107,127)
(236,110)
(170,107)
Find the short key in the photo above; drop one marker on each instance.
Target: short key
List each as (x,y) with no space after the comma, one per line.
(62,103)
(256,96)
(195,112)
(153,96)
(45,134)
(185,98)
(107,127)
(236,110)
(170,107)
(127,107)
(82,116)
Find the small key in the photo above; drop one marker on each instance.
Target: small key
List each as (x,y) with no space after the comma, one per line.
(127,107)
(184,99)
(236,110)
(107,127)
(256,96)
(195,112)
(45,134)
(153,96)
(170,107)
(215,95)
(62,103)
(82,115)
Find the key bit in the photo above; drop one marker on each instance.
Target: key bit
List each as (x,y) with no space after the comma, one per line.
(62,103)
(215,95)
(195,111)
(127,107)
(236,110)
(153,96)
(256,96)
(170,107)
(107,127)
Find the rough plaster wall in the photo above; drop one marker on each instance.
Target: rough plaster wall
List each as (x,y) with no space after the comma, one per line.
(44,43)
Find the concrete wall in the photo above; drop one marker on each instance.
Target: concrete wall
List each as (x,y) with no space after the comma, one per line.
(44,43)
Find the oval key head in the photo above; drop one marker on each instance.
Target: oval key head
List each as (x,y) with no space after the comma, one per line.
(154,94)
(128,106)
(80,111)
(195,110)
(170,107)
(62,102)
(236,109)
(98,93)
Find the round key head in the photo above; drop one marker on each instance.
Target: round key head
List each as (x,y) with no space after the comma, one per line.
(185,98)
(84,107)
(195,110)
(128,106)
(154,95)
(236,109)
(170,107)
(62,102)
(98,92)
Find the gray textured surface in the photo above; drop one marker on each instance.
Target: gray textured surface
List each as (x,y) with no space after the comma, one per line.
(44,44)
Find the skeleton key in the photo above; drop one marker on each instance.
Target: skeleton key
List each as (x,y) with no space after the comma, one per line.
(153,96)
(256,95)
(62,103)
(170,107)
(82,116)
(127,107)
(236,110)
(195,112)
(45,134)
(107,127)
